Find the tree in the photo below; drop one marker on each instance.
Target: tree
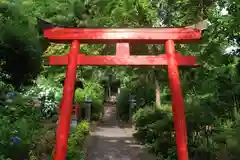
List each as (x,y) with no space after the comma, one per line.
(20,48)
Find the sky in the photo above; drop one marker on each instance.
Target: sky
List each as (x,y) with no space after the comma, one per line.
(230,49)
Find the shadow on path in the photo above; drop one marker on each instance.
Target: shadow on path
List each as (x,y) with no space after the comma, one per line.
(110,142)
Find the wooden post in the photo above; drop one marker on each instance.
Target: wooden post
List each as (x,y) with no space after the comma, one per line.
(66,103)
(177,101)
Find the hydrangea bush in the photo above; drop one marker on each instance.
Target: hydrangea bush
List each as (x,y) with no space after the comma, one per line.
(44,95)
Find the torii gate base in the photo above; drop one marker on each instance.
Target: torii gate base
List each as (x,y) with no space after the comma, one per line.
(122,37)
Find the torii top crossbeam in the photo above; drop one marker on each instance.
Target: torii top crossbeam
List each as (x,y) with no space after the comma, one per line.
(139,35)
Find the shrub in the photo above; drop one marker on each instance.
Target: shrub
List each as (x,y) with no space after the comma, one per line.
(94,91)
(43,144)
(97,109)
(21,128)
(76,140)
(208,137)
(144,95)
(44,91)
(18,137)
(123,103)
(19,123)
(154,127)
(2,157)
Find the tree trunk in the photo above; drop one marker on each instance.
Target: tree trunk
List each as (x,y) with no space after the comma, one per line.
(158,91)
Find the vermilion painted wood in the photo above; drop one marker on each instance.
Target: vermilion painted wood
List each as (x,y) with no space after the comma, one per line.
(146,35)
(177,102)
(122,37)
(123,60)
(66,104)
(122,49)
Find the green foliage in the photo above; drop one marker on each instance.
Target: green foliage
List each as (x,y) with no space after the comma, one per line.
(211,92)
(22,131)
(20,48)
(4,158)
(43,144)
(208,137)
(76,141)
(123,103)
(20,127)
(44,92)
(94,91)
(97,110)
(144,94)
(154,127)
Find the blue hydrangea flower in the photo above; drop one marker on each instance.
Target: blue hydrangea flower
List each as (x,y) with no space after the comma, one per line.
(15,140)
(11,94)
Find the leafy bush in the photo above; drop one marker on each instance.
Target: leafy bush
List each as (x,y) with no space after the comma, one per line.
(94,91)
(208,138)
(20,45)
(44,92)
(2,157)
(43,144)
(154,127)
(19,125)
(123,103)
(76,140)
(97,110)
(144,95)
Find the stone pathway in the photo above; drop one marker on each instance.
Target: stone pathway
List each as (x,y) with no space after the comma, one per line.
(110,142)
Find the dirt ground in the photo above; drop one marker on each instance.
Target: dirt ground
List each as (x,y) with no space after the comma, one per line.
(110,142)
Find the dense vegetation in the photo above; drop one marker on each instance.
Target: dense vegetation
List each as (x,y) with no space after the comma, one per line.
(212,92)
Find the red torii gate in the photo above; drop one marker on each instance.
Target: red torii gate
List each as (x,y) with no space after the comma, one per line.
(122,38)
